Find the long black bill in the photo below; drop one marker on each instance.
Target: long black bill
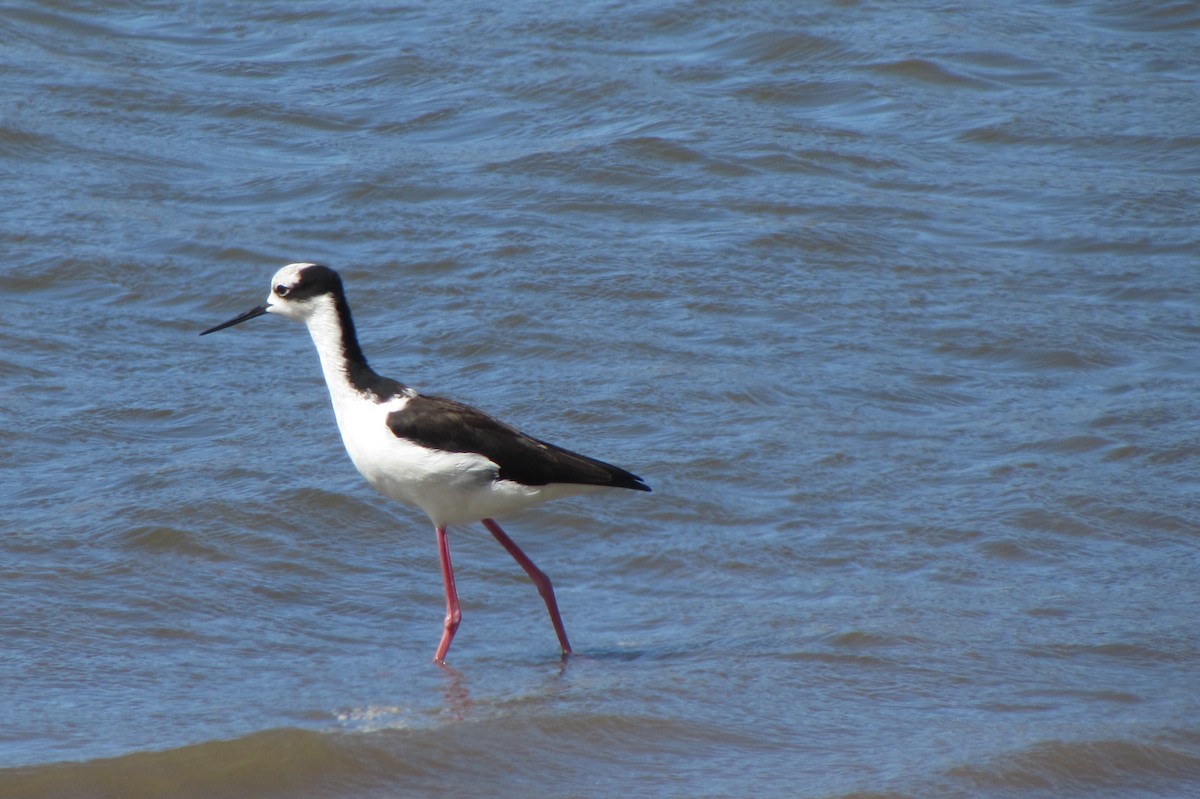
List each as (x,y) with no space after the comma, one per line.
(237,320)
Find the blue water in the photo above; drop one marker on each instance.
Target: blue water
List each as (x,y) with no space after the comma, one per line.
(894,305)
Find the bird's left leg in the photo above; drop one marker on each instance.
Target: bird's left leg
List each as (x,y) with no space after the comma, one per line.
(539,579)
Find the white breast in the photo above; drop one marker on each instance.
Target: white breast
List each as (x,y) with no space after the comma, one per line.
(450,487)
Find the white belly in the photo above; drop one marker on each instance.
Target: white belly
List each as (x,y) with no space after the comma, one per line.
(450,487)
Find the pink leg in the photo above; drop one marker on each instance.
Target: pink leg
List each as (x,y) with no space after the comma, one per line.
(539,579)
(453,614)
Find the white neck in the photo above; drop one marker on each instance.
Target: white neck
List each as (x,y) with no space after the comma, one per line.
(326,330)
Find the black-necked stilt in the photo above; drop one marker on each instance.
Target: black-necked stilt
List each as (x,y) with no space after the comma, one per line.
(450,460)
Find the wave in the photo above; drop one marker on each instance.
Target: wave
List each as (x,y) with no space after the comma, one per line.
(280,762)
(1161,767)
(581,754)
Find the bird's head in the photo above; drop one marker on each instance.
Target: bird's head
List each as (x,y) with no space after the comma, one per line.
(298,291)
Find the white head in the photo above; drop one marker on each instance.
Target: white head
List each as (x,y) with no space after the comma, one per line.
(299,291)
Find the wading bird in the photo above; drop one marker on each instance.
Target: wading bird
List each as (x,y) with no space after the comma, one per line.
(454,462)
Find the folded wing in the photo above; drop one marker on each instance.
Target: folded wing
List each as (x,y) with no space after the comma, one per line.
(451,426)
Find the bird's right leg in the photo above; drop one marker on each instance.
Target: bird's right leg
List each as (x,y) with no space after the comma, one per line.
(453,614)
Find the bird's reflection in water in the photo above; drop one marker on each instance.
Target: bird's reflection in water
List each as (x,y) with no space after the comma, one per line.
(459,703)
(458,697)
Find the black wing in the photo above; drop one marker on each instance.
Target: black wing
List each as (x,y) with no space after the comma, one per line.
(451,426)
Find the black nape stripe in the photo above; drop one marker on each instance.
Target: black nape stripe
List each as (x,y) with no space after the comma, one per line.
(316,280)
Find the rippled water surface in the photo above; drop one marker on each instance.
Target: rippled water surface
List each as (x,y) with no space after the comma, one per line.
(895,305)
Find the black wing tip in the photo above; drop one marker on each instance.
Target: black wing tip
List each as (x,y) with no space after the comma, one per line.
(628,480)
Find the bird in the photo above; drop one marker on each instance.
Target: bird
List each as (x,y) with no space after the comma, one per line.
(454,462)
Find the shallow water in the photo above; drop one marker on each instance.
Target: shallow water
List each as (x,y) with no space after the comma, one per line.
(894,305)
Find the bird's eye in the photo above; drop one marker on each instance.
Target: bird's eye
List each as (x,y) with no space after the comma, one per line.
(283,290)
